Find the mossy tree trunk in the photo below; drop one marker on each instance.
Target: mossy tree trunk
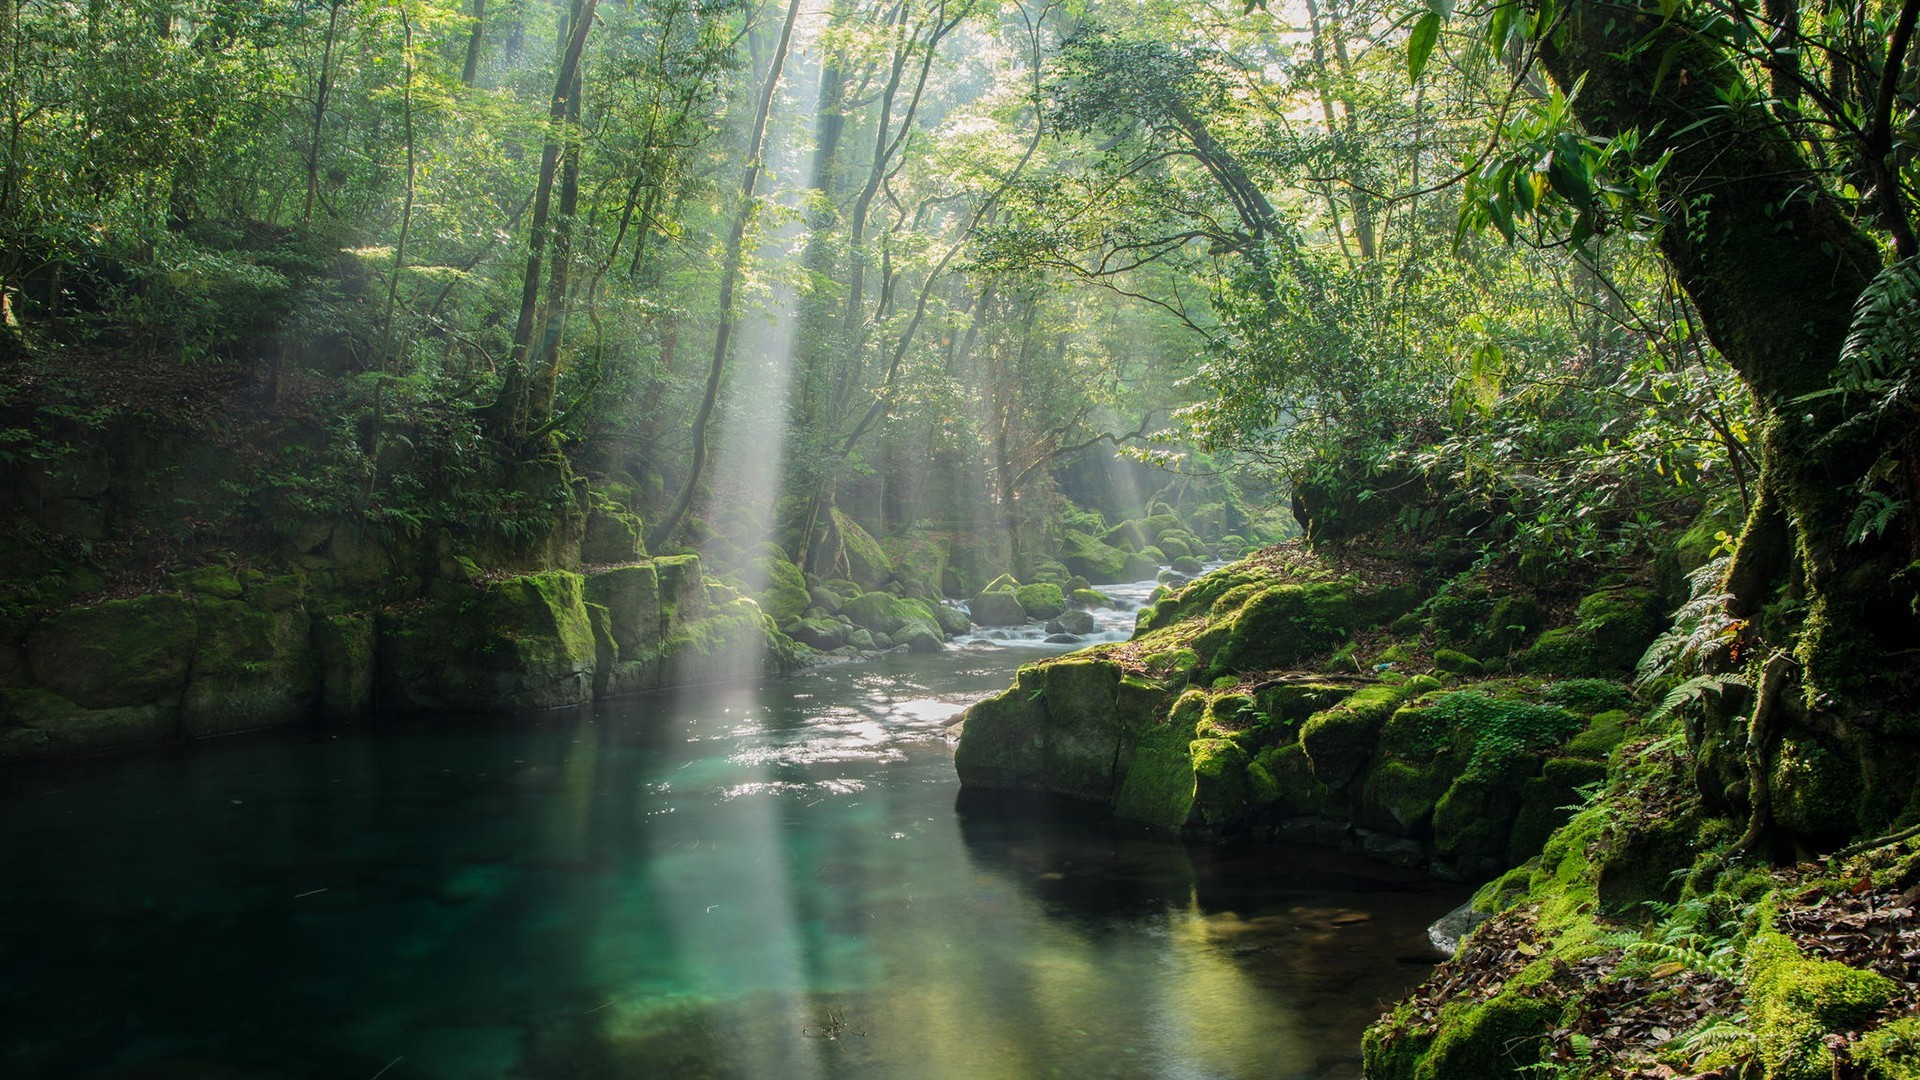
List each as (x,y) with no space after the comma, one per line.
(1774,267)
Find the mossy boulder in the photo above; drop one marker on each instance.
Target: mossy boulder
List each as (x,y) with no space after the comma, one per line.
(1102,563)
(1339,740)
(733,640)
(1078,623)
(1296,792)
(252,668)
(1057,729)
(1455,662)
(37,723)
(116,653)
(778,586)
(884,613)
(1221,793)
(344,649)
(522,642)
(998,607)
(823,634)
(612,535)
(1548,801)
(631,597)
(1795,1002)
(1041,601)
(1501,1038)
(1614,627)
(683,590)
(852,548)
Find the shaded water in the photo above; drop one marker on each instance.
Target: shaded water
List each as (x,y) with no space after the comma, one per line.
(737,882)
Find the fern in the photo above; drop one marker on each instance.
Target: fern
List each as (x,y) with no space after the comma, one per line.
(1701,624)
(1884,340)
(1693,690)
(1725,1043)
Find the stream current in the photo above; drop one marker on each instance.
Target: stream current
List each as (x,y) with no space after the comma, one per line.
(744,881)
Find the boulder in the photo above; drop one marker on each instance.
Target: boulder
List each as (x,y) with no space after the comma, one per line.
(1041,601)
(1071,622)
(996,609)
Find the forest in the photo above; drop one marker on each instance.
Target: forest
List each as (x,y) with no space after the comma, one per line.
(1509,413)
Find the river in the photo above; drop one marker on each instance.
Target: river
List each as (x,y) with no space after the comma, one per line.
(750,881)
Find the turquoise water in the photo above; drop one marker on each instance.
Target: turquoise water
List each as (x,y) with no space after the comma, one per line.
(737,882)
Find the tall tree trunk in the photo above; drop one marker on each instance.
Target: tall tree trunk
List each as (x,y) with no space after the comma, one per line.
(1774,268)
(515,396)
(729,280)
(320,94)
(470,71)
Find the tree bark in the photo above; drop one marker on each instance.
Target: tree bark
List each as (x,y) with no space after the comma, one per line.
(1774,266)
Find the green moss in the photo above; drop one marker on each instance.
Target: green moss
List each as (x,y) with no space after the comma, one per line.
(216,581)
(1891,1052)
(1089,598)
(865,559)
(1292,703)
(1041,601)
(1285,623)
(1234,599)
(1158,787)
(1604,732)
(1615,626)
(1298,792)
(1402,796)
(1502,1037)
(1547,801)
(1339,740)
(1814,788)
(1510,622)
(1794,1002)
(116,653)
(1589,697)
(784,594)
(1455,662)
(1220,790)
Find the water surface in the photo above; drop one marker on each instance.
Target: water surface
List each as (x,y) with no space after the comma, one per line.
(725,882)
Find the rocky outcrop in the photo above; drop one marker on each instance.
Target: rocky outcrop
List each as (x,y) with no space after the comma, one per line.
(227,652)
(1255,700)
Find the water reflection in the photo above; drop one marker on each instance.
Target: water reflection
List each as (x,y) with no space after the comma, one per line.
(748,882)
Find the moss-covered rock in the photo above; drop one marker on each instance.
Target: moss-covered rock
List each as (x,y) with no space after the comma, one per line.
(734,640)
(612,535)
(1794,1002)
(251,668)
(884,613)
(1102,563)
(1220,787)
(117,653)
(996,608)
(631,597)
(522,642)
(1454,662)
(344,649)
(37,723)
(1339,740)
(1496,1039)
(1041,601)
(853,549)
(1892,1051)
(1614,627)
(777,586)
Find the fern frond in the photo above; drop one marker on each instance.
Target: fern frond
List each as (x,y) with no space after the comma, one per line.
(1884,340)
(1693,690)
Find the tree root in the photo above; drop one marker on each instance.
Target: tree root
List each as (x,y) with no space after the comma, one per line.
(1760,737)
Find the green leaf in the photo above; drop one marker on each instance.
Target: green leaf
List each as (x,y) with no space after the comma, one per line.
(1568,172)
(1500,27)
(1420,43)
